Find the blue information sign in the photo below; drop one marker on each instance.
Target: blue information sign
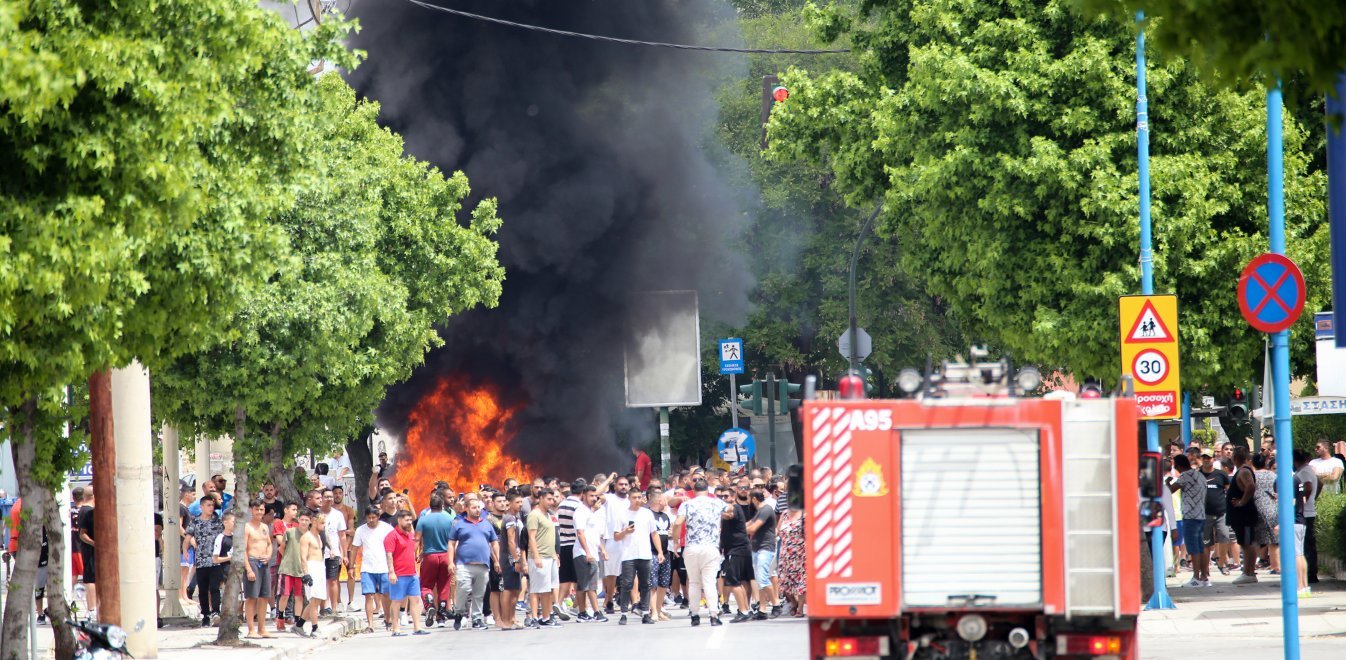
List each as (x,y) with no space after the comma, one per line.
(731,356)
(737,447)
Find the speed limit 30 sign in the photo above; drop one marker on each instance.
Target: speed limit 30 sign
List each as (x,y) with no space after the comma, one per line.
(1149,327)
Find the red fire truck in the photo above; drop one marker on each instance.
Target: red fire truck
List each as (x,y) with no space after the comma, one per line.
(968,522)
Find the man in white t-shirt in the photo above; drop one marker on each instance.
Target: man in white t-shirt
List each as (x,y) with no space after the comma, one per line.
(1309,478)
(615,507)
(334,555)
(1327,467)
(587,556)
(373,564)
(638,541)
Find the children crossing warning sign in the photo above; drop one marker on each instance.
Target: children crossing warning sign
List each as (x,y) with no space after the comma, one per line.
(1149,329)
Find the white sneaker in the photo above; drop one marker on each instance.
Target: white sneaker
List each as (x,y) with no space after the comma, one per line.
(1192,583)
(1204,584)
(490,620)
(1246,579)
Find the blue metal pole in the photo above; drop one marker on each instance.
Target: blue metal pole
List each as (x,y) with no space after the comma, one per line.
(1187,422)
(1160,600)
(1336,201)
(1280,373)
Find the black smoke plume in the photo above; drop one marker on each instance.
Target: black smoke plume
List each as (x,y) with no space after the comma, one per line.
(609,184)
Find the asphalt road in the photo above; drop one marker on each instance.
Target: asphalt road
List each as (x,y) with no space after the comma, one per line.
(670,640)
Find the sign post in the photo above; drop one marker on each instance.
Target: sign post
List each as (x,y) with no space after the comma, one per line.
(1149,326)
(731,364)
(1290,295)
(1160,600)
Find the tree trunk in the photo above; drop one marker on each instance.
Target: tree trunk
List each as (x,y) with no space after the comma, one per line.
(57,607)
(103,452)
(19,603)
(362,465)
(281,476)
(230,609)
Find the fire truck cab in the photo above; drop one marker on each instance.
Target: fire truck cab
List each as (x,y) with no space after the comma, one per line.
(968,522)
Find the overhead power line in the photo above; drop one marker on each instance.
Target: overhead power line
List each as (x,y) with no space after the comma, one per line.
(629,42)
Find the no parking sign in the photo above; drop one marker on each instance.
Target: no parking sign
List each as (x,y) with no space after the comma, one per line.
(1271,293)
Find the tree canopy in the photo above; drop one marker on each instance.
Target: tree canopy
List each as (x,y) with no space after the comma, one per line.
(1240,40)
(377,258)
(1002,138)
(144,148)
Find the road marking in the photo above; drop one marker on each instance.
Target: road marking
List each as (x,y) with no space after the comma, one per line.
(716,638)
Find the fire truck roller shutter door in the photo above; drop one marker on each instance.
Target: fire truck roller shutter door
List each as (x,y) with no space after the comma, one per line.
(971,517)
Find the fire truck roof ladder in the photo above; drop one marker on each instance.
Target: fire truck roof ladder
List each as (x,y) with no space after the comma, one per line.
(1089,451)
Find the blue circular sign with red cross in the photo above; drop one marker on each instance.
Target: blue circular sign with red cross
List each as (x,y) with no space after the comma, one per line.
(1271,293)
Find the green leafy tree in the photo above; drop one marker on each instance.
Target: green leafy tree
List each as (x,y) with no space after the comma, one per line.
(144,146)
(1001,137)
(378,258)
(1239,40)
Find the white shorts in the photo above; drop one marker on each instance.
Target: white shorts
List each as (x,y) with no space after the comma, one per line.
(317,571)
(1300,532)
(613,566)
(542,580)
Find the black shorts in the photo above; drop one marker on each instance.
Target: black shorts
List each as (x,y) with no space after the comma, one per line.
(737,569)
(494,582)
(566,559)
(333,566)
(510,579)
(1245,534)
(679,566)
(90,565)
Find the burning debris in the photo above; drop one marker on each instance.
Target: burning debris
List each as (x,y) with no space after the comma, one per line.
(610,184)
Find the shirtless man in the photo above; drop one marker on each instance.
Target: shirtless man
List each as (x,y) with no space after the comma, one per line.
(257,581)
(311,553)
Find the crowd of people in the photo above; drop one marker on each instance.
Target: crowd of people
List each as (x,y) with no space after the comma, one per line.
(635,548)
(1225,515)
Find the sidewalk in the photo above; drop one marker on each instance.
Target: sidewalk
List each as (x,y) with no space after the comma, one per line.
(189,640)
(1246,611)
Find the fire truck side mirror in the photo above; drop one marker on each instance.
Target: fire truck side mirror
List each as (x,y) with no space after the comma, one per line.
(794,487)
(1149,475)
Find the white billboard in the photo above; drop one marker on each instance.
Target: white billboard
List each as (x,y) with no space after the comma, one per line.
(663,350)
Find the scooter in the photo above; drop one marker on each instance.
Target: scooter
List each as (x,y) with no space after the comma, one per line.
(100,641)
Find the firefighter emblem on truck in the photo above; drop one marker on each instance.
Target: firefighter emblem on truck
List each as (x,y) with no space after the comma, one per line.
(869,480)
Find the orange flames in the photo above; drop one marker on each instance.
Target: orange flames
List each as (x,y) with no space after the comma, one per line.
(457,433)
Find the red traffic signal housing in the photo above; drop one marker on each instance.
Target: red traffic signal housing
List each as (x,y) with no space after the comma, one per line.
(780,93)
(851,386)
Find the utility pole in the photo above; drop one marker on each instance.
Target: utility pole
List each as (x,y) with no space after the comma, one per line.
(103,447)
(853,358)
(665,444)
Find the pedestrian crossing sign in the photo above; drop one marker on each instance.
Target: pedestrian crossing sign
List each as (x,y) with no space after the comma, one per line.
(1149,334)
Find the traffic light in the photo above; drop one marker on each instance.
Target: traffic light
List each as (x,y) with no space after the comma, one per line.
(780,93)
(1238,405)
(784,389)
(1091,389)
(754,401)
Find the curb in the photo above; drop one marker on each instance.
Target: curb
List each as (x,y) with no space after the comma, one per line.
(329,632)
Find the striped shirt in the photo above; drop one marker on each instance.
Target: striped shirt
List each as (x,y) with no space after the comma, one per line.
(565,521)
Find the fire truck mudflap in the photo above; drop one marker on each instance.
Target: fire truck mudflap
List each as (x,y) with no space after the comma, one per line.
(974,527)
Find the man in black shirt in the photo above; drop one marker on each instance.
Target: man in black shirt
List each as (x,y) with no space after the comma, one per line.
(270,502)
(1216,533)
(88,552)
(737,565)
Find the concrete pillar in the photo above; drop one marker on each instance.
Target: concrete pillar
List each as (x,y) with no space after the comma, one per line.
(135,508)
(202,469)
(172,582)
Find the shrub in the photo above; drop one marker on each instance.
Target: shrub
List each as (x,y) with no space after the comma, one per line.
(1331,526)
